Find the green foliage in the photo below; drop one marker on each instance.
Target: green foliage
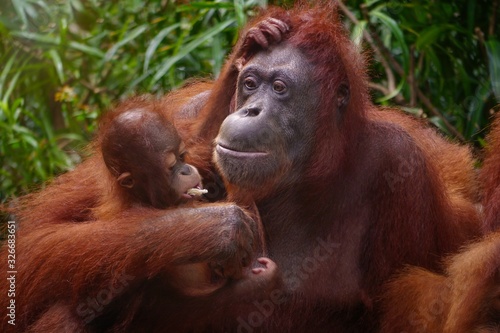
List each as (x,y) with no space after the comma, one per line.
(65,61)
(448,50)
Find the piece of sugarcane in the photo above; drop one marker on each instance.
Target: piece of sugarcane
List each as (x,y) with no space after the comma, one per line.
(197,191)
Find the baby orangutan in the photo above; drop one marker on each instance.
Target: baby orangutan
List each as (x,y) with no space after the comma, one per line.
(142,241)
(145,159)
(144,156)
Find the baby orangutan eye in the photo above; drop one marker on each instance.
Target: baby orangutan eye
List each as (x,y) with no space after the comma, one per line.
(170,160)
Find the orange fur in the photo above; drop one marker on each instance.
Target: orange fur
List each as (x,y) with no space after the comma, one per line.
(463,300)
(80,237)
(343,198)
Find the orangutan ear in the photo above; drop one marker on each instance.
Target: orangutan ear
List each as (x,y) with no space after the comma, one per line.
(343,96)
(126,180)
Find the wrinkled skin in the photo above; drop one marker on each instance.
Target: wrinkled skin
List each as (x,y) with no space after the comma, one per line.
(342,189)
(269,138)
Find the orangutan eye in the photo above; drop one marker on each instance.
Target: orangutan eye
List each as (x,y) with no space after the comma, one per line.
(170,160)
(279,86)
(250,83)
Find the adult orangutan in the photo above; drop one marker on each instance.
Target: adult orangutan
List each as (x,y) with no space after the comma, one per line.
(144,157)
(348,194)
(466,298)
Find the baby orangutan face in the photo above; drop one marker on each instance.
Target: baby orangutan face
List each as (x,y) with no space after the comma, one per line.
(145,154)
(184,178)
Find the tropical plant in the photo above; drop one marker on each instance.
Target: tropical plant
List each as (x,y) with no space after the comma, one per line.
(436,58)
(65,62)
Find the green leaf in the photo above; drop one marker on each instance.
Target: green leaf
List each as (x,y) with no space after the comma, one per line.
(11,86)
(6,70)
(394,27)
(21,129)
(86,49)
(204,5)
(475,110)
(357,32)
(369,3)
(30,140)
(240,13)
(133,34)
(19,8)
(69,136)
(153,45)
(202,38)
(45,39)
(56,59)
(433,64)
(429,36)
(218,54)
(438,122)
(393,93)
(493,50)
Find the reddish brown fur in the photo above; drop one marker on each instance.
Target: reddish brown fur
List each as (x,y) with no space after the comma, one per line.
(490,178)
(183,107)
(56,320)
(453,163)
(460,181)
(73,196)
(159,193)
(415,222)
(71,263)
(465,299)
(49,206)
(428,213)
(60,277)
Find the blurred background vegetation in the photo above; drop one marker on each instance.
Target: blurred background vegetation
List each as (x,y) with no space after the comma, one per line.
(63,62)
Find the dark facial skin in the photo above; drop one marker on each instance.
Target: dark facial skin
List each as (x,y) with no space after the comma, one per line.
(269,135)
(145,154)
